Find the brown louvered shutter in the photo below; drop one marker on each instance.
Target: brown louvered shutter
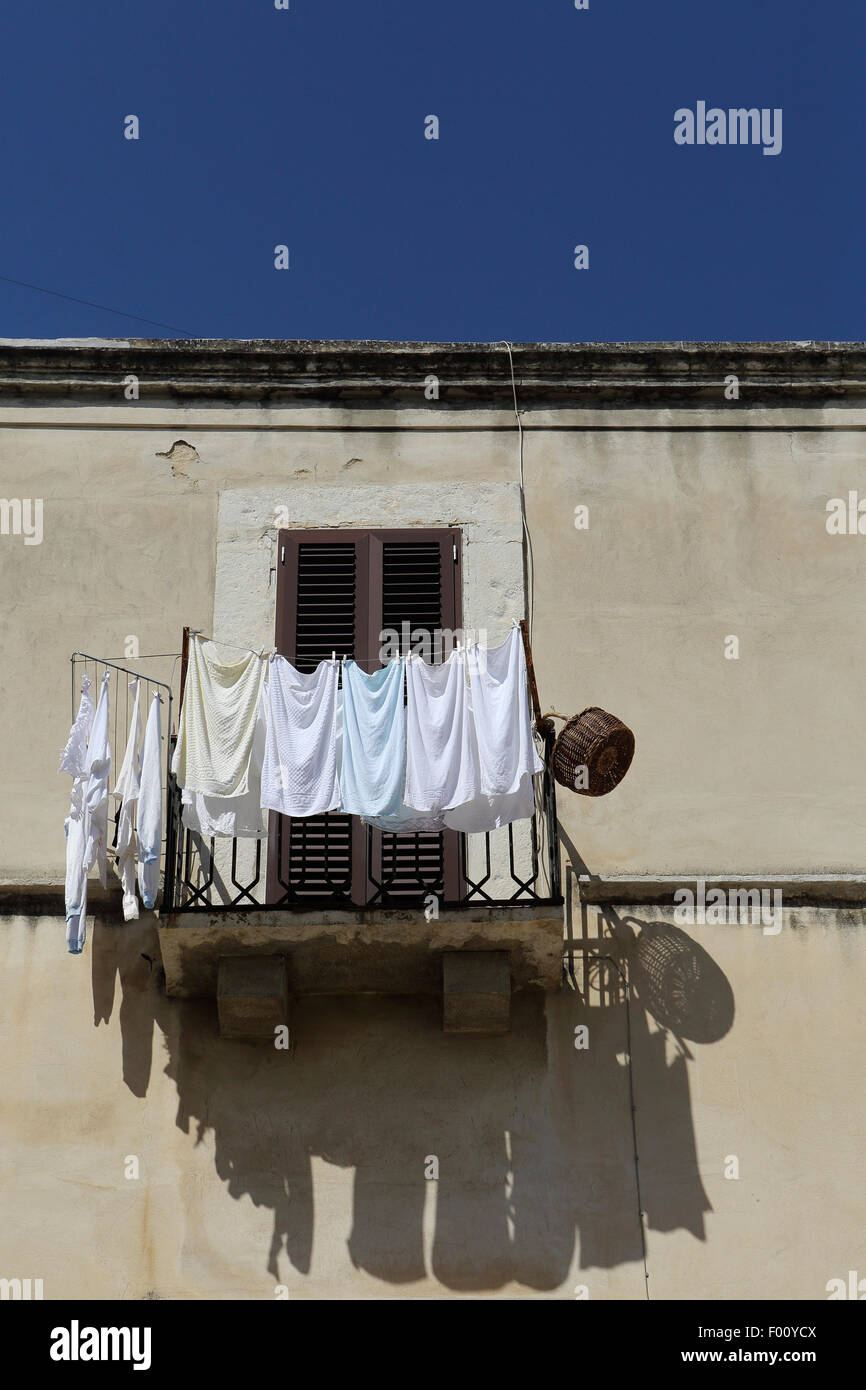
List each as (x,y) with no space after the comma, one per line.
(317,588)
(325,612)
(337,591)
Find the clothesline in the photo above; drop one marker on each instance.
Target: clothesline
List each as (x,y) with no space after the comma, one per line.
(236,646)
(143,656)
(266,652)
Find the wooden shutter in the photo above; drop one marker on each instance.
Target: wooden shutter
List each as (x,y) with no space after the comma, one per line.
(324,602)
(337,591)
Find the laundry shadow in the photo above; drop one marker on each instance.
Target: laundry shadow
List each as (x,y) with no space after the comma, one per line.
(126,955)
(448,1136)
(477,1161)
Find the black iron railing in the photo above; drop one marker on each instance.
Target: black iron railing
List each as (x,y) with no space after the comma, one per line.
(516,865)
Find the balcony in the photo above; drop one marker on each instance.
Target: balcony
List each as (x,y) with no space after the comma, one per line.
(296,896)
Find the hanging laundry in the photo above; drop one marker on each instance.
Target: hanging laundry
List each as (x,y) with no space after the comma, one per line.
(74,755)
(374,740)
(407,821)
(300,772)
(373,774)
(232,816)
(73,760)
(126,789)
(218,722)
(258,736)
(150,807)
(507,757)
(96,794)
(76,883)
(441,749)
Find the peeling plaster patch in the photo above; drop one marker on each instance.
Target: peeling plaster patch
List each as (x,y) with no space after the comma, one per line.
(487,513)
(179,455)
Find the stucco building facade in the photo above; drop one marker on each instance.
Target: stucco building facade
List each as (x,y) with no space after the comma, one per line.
(677,546)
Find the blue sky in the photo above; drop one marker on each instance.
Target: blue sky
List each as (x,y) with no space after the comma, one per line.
(305,127)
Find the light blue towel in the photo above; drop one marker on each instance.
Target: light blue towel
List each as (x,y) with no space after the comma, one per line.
(373,772)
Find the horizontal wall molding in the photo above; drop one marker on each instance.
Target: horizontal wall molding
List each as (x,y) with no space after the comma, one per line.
(48,900)
(451,422)
(798,890)
(273,372)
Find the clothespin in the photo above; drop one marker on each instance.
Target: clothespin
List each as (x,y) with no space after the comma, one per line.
(334,657)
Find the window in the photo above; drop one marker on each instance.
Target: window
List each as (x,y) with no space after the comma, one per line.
(343,591)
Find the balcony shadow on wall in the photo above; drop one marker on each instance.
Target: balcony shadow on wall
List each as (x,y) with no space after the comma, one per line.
(532,1138)
(678,987)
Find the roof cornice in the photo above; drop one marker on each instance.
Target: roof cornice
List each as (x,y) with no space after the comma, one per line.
(272,372)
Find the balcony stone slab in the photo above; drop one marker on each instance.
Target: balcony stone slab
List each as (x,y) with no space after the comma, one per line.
(386,951)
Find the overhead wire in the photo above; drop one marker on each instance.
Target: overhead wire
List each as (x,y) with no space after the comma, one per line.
(530,563)
(529,569)
(106,308)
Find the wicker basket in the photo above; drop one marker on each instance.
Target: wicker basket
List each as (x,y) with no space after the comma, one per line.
(598,742)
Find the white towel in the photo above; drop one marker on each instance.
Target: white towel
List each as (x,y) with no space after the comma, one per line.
(126,788)
(300,773)
(373,767)
(507,756)
(150,808)
(217,721)
(73,760)
(233,816)
(373,770)
(441,749)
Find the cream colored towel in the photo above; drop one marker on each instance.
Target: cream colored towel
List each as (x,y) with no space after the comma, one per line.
(218,721)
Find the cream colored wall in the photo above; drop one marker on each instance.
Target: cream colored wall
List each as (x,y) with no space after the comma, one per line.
(741,766)
(753,764)
(259,1168)
(695,534)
